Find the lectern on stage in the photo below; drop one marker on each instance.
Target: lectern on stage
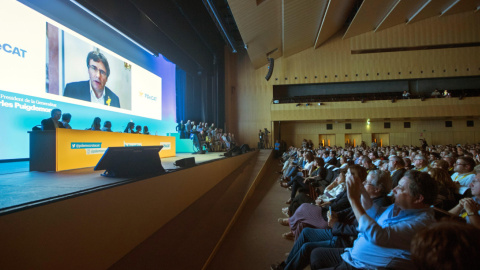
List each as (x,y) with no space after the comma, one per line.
(131,161)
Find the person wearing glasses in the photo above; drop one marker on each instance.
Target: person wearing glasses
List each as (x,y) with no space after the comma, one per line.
(94,90)
(464,173)
(420,163)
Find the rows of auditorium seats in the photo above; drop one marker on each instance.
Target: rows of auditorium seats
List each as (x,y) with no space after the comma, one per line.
(322,216)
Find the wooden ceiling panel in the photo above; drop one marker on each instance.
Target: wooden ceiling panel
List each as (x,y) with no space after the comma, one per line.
(369,16)
(432,9)
(286,27)
(334,19)
(463,6)
(404,10)
(301,21)
(260,27)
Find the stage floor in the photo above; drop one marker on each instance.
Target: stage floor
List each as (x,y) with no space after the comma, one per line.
(20,188)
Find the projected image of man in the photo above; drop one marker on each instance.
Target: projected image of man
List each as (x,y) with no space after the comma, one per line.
(94,90)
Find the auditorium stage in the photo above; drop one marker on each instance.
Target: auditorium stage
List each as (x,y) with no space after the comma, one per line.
(20,188)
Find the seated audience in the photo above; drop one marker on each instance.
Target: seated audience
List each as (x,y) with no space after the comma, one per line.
(66,117)
(308,215)
(451,163)
(436,94)
(446,188)
(446,245)
(107,126)
(344,162)
(53,122)
(367,164)
(342,225)
(396,166)
(316,177)
(446,94)
(145,130)
(469,208)
(383,166)
(384,233)
(297,180)
(441,164)
(334,189)
(130,128)
(374,158)
(408,163)
(420,163)
(97,124)
(464,174)
(138,129)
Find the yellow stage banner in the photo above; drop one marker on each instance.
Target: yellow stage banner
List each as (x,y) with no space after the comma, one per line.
(84,148)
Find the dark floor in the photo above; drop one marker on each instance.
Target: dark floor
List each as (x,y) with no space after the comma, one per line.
(255,241)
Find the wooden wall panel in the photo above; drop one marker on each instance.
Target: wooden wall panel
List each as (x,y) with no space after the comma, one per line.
(379,109)
(464,137)
(433,131)
(251,101)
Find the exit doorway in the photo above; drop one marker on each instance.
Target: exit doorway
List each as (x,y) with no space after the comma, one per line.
(326,140)
(353,139)
(382,139)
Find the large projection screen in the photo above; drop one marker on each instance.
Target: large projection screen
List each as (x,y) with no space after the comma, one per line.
(45,65)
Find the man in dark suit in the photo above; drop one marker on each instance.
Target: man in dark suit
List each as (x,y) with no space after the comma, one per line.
(396,166)
(94,90)
(52,123)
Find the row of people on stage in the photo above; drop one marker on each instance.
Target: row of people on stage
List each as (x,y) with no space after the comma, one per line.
(365,208)
(131,128)
(56,114)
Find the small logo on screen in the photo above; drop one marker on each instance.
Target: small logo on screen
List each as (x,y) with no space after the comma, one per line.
(84,145)
(147,96)
(166,145)
(131,144)
(11,49)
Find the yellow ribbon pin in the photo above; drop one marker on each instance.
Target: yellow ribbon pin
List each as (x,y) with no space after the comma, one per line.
(109,100)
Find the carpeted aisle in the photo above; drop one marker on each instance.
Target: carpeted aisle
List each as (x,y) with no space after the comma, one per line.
(186,242)
(255,240)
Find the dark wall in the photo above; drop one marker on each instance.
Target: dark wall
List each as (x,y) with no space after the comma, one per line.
(415,86)
(204,97)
